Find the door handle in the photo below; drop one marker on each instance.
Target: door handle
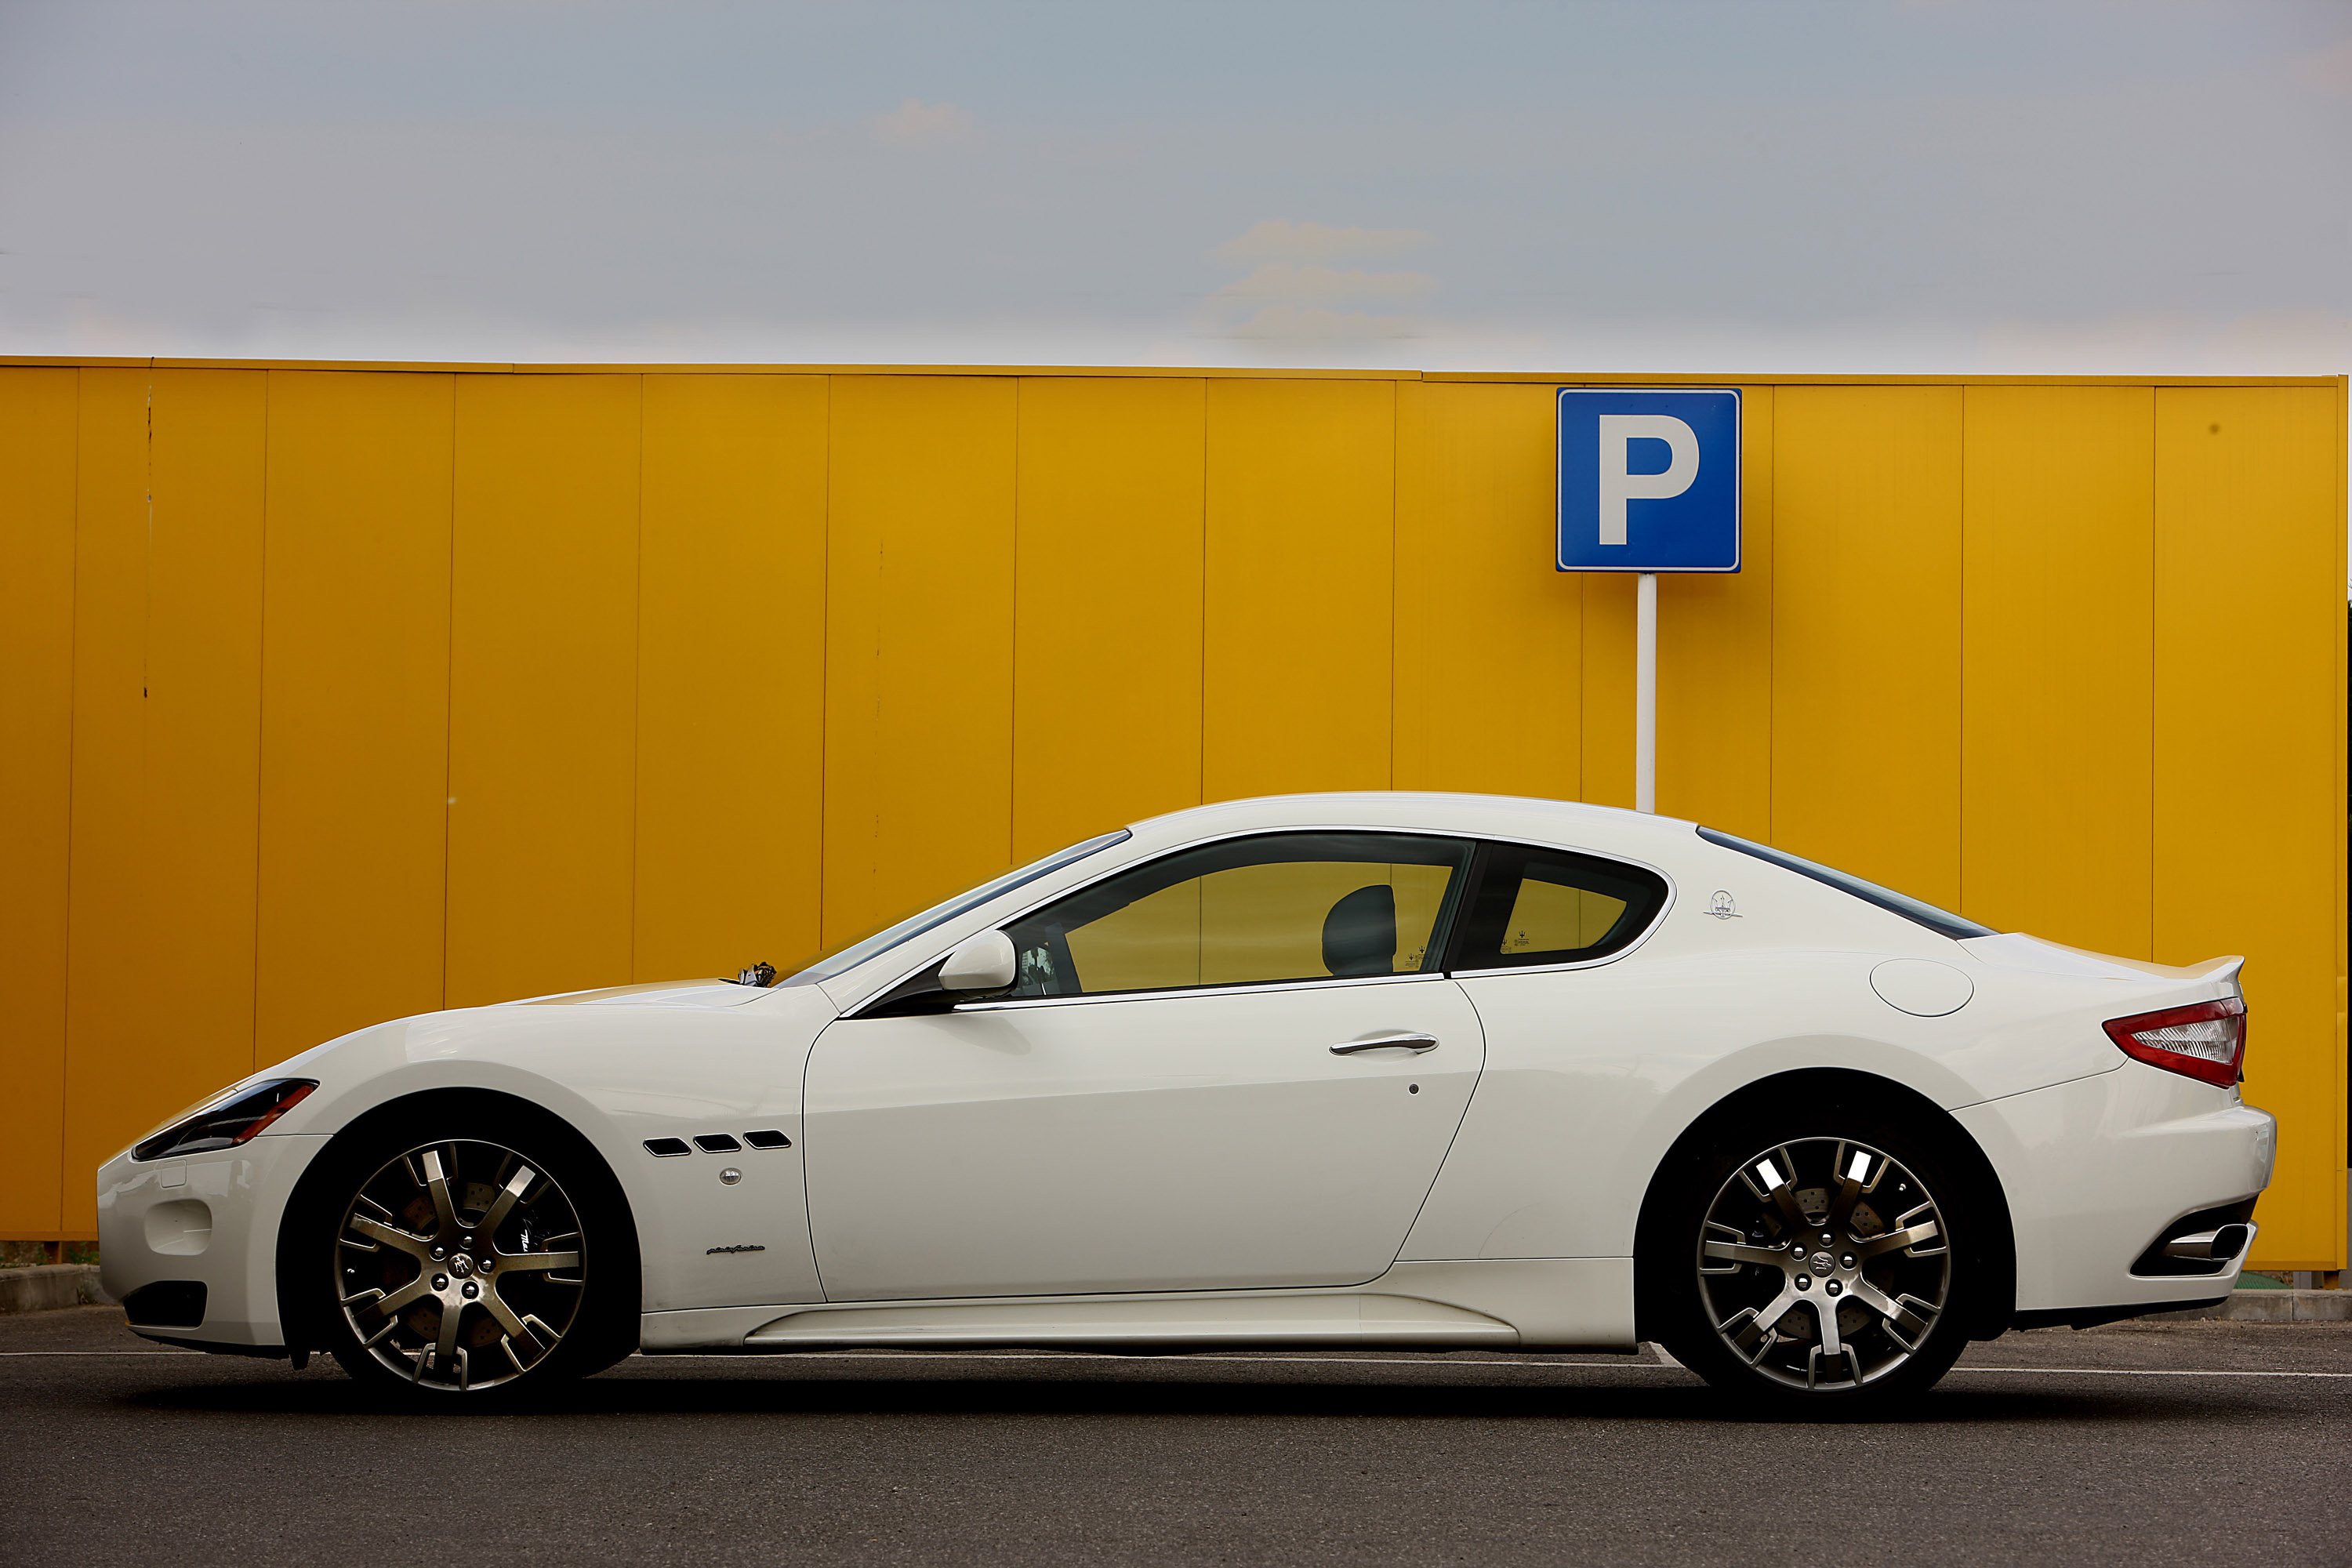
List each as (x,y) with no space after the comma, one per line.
(1415,1043)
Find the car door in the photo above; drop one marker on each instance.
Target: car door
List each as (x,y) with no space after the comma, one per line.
(1238,1065)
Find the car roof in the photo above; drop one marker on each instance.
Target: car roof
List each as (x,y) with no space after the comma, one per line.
(1570,824)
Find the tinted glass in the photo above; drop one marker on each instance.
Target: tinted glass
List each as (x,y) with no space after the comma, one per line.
(1955,926)
(1248,911)
(841,960)
(1550,906)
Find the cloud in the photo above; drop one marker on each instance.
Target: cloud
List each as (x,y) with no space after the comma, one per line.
(1325,285)
(915,123)
(2328,69)
(1289,299)
(1279,239)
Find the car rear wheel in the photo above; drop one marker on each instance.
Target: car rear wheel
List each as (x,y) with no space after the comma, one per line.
(1818,1259)
(473,1261)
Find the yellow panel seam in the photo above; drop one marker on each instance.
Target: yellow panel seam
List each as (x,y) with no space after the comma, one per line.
(261,711)
(637,682)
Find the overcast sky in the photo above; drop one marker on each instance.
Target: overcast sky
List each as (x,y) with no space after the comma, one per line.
(2158,186)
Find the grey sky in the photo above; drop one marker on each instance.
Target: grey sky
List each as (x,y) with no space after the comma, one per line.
(2063,185)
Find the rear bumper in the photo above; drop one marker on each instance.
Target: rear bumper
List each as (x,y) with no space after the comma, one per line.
(2095,1169)
(209,1220)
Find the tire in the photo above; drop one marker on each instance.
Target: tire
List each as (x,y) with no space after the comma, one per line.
(464,1254)
(1819,1256)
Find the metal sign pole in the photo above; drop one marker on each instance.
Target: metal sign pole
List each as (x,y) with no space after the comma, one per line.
(1687,517)
(1646,693)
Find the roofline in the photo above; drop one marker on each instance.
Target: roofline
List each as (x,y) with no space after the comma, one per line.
(1206,372)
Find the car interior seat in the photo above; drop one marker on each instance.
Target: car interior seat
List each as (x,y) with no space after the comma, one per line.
(1359,935)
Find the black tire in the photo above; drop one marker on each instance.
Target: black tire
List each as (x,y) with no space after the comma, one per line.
(1863,1307)
(492,1211)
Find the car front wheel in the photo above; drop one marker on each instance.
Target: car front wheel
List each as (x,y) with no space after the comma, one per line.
(1826,1261)
(475,1261)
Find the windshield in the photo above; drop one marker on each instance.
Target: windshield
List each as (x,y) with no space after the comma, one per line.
(841,960)
(1955,926)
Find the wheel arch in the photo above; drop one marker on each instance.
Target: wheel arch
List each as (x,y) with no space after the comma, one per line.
(1815,1084)
(314,1188)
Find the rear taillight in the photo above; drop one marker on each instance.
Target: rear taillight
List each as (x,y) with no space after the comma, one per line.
(227,1122)
(2206,1041)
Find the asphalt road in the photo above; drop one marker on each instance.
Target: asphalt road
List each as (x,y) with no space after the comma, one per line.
(2140,1443)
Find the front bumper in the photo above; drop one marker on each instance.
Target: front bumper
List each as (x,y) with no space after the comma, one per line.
(208,1219)
(2096,1169)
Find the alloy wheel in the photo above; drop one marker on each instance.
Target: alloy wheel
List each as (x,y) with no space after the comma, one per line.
(1823,1264)
(459,1266)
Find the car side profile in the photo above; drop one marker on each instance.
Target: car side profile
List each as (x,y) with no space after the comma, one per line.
(1365,1070)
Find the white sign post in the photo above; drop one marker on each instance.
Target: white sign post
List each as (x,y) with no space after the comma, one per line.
(1622,509)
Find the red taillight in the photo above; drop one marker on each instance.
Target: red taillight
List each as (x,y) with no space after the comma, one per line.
(2206,1041)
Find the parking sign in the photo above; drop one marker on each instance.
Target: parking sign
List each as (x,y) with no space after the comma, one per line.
(1649,479)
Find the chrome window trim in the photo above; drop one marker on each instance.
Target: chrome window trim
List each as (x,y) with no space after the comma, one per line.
(1259,988)
(853,1010)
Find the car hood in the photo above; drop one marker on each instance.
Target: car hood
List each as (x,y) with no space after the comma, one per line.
(657,993)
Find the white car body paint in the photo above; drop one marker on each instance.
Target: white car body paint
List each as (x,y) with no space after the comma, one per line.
(1199,1168)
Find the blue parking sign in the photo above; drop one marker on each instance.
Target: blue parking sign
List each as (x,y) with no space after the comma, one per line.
(1649,479)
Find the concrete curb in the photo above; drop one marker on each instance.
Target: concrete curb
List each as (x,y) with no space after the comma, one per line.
(49,1286)
(2272,1307)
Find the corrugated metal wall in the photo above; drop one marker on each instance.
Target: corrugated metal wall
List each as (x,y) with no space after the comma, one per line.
(332,695)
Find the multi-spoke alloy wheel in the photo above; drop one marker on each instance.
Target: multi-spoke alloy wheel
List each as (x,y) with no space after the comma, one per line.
(459,1266)
(1823,1263)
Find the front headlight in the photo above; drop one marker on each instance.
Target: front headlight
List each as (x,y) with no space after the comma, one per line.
(226,1122)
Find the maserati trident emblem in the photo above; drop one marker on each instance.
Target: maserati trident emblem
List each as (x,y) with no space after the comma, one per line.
(745,1246)
(1720,906)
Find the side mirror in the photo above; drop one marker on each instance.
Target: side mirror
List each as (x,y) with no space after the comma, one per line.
(983,963)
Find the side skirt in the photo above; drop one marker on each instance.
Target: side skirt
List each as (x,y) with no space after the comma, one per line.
(1553,1303)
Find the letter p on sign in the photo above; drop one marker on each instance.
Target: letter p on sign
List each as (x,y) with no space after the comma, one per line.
(1649,480)
(1618,485)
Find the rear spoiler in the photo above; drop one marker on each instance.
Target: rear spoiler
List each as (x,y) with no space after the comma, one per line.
(2219,971)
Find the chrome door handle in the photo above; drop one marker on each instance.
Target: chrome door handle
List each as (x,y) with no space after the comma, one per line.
(1416,1044)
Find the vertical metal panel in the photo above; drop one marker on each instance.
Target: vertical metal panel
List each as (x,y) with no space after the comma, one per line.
(730,708)
(174,661)
(2249,721)
(918,644)
(37,586)
(1866,632)
(1489,636)
(108,1075)
(355,705)
(1107,640)
(1301,538)
(543,685)
(2056,766)
(1714,661)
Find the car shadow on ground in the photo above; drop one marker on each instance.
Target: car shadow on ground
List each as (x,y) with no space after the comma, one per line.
(332,1395)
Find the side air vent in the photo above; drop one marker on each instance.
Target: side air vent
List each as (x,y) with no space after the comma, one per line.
(667,1148)
(767,1138)
(716,1144)
(167,1304)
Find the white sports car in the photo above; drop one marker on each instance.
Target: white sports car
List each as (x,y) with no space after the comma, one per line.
(1348,1070)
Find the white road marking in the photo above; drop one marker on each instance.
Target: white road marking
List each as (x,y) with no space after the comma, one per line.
(2143,1371)
(1180,1359)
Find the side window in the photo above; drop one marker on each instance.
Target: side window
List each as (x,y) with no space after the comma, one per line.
(1550,905)
(1283,906)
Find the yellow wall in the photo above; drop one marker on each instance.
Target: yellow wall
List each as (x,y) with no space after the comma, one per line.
(332,694)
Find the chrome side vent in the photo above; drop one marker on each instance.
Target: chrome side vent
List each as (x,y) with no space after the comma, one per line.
(716,1144)
(767,1138)
(667,1148)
